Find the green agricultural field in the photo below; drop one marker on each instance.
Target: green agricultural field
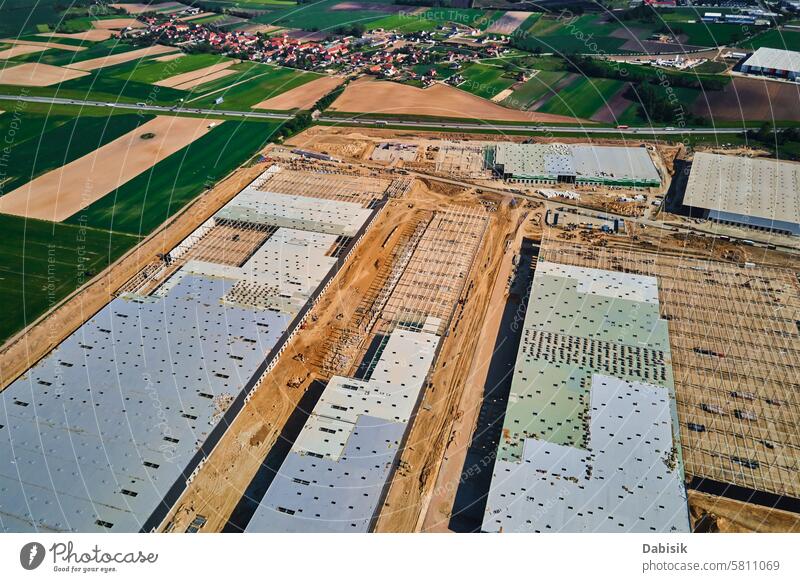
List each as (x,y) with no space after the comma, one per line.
(582,98)
(251,84)
(473,17)
(17,125)
(710,67)
(779,39)
(62,140)
(486,80)
(443,70)
(319,16)
(584,34)
(151,71)
(140,205)
(683,98)
(105,85)
(97,50)
(403,23)
(21,16)
(43,262)
(534,89)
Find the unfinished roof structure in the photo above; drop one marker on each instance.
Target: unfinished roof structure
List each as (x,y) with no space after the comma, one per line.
(773,62)
(590,437)
(333,478)
(757,193)
(101,433)
(552,163)
(735,345)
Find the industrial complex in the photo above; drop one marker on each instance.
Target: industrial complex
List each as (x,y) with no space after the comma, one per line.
(104,432)
(735,347)
(336,474)
(756,193)
(418,334)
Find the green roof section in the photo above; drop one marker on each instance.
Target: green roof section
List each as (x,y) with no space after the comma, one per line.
(581,322)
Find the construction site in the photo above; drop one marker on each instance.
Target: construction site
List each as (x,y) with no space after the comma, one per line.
(395,338)
(735,346)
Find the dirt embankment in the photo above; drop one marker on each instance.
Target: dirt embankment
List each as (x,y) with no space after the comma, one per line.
(719,514)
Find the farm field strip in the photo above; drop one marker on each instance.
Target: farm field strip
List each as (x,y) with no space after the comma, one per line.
(582,98)
(116,59)
(60,193)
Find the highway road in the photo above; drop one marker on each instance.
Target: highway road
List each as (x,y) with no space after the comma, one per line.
(584,129)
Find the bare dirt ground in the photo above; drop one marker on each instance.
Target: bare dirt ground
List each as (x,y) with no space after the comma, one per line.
(752,100)
(508,23)
(439,100)
(254,28)
(99,63)
(442,405)
(139,8)
(169,57)
(20,49)
(93,35)
(202,80)
(118,23)
(44,44)
(60,193)
(198,75)
(37,75)
(718,514)
(30,345)
(437,510)
(224,477)
(302,97)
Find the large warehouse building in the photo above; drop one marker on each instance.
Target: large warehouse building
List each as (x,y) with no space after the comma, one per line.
(333,478)
(770,62)
(572,164)
(758,193)
(103,432)
(590,436)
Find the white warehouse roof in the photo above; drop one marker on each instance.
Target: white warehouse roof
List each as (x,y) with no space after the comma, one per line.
(770,58)
(758,187)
